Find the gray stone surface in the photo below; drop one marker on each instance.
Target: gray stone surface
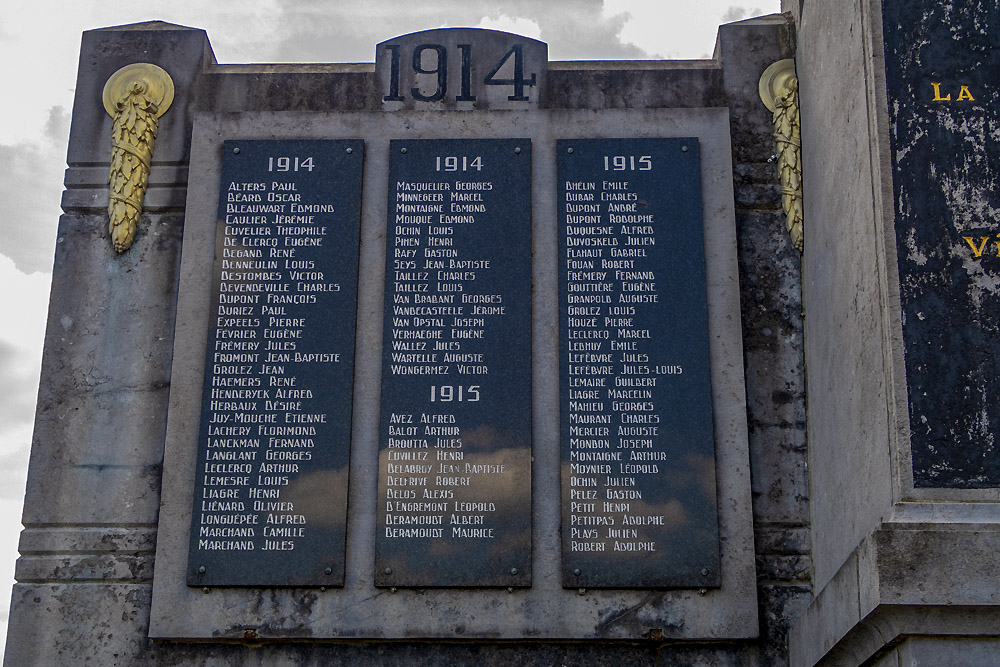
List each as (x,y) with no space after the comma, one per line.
(781,604)
(546,610)
(183,52)
(889,659)
(947,652)
(903,580)
(117,347)
(848,422)
(103,625)
(771,301)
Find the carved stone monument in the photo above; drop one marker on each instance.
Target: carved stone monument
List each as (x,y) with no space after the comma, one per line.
(466,356)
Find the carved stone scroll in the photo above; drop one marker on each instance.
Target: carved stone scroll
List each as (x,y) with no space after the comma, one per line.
(779,90)
(135,96)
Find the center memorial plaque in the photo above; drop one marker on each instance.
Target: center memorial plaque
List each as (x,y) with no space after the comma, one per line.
(274,446)
(454,490)
(638,454)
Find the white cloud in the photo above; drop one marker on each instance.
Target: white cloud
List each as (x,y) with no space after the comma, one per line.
(21,336)
(676,29)
(739,13)
(29,192)
(57,126)
(518,26)
(327,31)
(25,301)
(36,83)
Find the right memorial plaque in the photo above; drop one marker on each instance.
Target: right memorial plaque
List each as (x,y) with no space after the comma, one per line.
(638,454)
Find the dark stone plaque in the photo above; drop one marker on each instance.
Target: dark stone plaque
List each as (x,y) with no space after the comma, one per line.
(454,491)
(271,484)
(638,454)
(944,106)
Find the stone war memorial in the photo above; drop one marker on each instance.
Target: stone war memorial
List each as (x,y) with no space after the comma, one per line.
(466,356)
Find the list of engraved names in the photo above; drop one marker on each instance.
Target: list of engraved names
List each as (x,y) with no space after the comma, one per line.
(635,397)
(457,289)
(273,411)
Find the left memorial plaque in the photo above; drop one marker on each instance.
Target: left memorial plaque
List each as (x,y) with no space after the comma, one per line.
(270,505)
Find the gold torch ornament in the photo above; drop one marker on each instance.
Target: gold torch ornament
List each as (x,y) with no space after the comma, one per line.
(135,96)
(779,90)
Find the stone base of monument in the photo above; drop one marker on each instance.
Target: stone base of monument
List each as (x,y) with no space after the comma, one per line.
(904,596)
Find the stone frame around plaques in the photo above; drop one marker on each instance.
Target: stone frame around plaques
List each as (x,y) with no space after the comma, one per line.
(545,610)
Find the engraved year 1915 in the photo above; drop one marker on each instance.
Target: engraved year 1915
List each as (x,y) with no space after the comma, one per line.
(628,163)
(447,393)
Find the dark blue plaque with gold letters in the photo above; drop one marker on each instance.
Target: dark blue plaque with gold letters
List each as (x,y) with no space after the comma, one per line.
(638,453)
(944,106)
(454,491)
(270,501)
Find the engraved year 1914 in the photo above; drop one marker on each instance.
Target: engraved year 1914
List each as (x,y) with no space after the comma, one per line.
(432,60)
(290,163)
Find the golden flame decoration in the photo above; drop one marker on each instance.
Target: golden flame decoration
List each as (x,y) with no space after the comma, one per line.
(135,96)
(779,90)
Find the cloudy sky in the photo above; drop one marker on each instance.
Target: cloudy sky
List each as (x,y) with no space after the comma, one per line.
(39,42)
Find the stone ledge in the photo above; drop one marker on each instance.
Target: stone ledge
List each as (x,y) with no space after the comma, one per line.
(86,568)
(42,540)
(159,199)
(96,176)
(902,580)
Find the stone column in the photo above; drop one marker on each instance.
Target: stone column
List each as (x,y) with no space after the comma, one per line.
(93,489)
(900,329)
